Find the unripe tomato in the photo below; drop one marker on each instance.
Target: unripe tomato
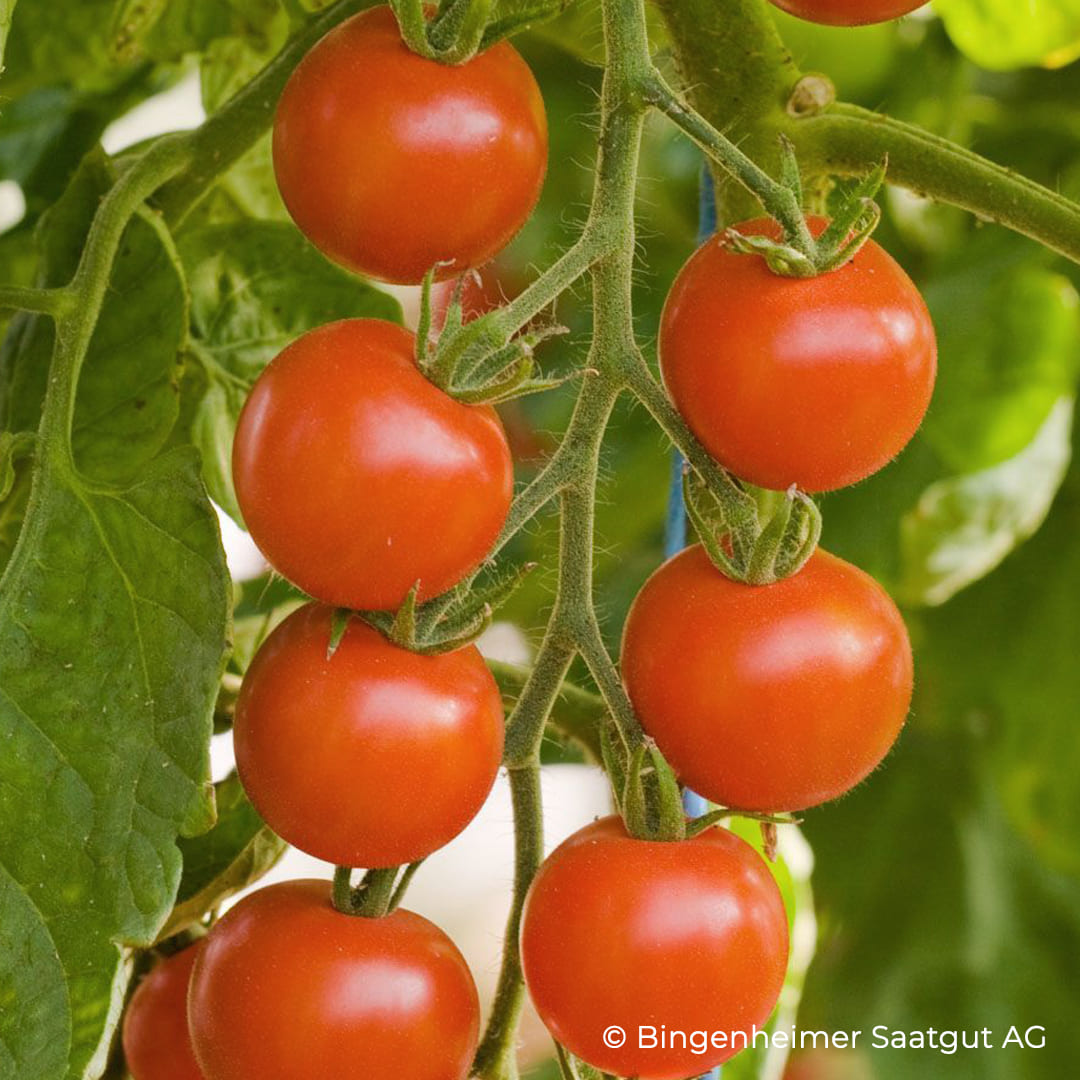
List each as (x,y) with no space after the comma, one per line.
(774,697)
(811,381)
(848,12)
(288,987)
(690,935)
(157,1044)
(357,477)
(390,163)
(374,756)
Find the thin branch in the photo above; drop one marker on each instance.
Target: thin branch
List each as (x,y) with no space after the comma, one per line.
(43,301)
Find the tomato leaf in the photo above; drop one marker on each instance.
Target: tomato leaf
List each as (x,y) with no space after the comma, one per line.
(1008,339)
(966,914)
(236,852)
(112,638)
(1003,35)
(256,286)
(963,526)
(7,10)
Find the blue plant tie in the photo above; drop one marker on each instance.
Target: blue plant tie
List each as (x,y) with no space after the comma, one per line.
(675,524)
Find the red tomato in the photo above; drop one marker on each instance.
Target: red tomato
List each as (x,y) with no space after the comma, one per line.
(157,1045)
(688,935)
(848,12)
(376,756)
(774,697)
(390,163)
(357,477)
(813,381)
(287,987)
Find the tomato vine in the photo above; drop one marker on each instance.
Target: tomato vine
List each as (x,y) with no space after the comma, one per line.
(759,90)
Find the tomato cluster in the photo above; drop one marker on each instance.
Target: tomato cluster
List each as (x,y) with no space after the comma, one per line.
(369,487)
(366,485)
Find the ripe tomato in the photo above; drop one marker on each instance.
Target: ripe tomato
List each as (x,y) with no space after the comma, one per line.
(774,697)
(689,935)
(288,987)
(817,382)
(390,163)
(157,1045)
(357,477)
(375,756)
(848,12)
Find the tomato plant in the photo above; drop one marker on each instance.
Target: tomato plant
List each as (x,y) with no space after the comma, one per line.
(388,998)
(157,1043)
(408,745)
(615,933)
(817,382)
(848,12)
(420,164)
(788,695)
(345,452)
(250,319)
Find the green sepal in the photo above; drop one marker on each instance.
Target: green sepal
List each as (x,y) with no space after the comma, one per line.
(450,621)
(777,547)
(339,623)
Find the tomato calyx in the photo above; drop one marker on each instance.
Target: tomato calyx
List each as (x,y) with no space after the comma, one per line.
(379,893)
(445,623)
(475,361)
(453,33)
(650,799)
(806,256)
(456,30)
(739,542)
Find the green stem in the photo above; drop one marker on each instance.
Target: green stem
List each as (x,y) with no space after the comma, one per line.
(576,713)
(738,75)
(779,202)
(75,327)
(572,625)
(846,140)
(43,301)
(495,1055)
(552,283)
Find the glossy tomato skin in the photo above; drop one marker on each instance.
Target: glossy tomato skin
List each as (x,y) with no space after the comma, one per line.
(690,935)
(288,987)
(848,12)
(818,382)
(157,1044)
(357,477)
(374,756)
(390,163)
(771,698)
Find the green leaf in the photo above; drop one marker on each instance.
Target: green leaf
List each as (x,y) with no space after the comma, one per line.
(129,390)
(112,638)
(255,287)
(235,853)
(1008,342)
(963,527)
(7,10)
(229,62)
(62,41)
(1003,35)
(949,884)
(167,30)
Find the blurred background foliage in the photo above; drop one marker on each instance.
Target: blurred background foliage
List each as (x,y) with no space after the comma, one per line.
(948,887)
